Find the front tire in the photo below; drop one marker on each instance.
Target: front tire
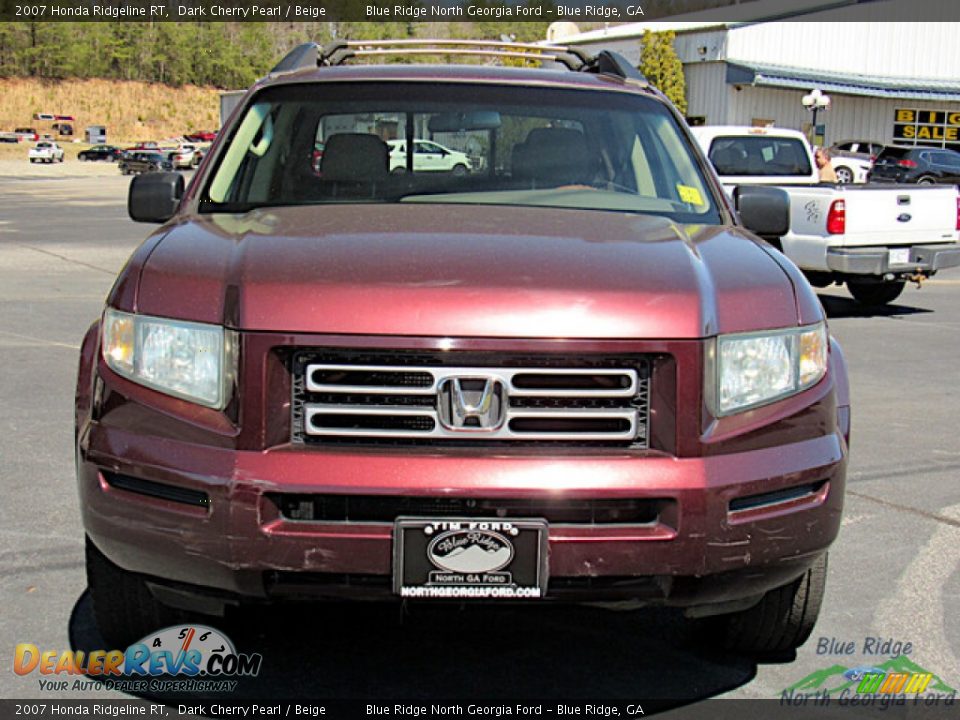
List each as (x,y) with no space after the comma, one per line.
(123,606)
(875,294)
(782,620)
(844,175)
(926,180)
(459,170)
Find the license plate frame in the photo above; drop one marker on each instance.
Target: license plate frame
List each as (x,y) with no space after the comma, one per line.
(898,256)
(470,558)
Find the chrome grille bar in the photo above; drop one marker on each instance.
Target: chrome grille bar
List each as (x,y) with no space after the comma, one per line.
(627,379)
(411,401)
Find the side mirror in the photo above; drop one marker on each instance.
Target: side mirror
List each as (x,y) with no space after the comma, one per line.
(154,197)
(764,210)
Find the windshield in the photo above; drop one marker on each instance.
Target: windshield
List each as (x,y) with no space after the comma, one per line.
(760,155)
(465,144)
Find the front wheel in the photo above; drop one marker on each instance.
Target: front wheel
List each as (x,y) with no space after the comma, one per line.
(782,620)
(844,175)
(875,293)
(925,180)
(123,606)
(459,170)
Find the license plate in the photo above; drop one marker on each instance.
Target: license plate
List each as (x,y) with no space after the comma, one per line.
(469,558)
(899,256)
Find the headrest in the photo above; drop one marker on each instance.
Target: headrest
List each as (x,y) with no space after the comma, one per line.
(355,157)
(553,156)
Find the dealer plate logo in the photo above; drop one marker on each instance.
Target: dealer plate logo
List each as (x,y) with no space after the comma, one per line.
(470,551)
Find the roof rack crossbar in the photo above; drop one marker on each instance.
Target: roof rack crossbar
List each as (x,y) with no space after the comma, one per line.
(337,53)
(573,58)
(542,57)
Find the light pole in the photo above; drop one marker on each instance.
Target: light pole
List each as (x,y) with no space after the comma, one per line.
(815,101)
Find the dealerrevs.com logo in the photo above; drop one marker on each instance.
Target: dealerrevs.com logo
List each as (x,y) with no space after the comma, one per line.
(181,658)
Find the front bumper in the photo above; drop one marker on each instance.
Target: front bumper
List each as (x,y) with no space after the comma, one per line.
(924,260)
(731,526)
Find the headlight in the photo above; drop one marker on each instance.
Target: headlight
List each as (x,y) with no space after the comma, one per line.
(184,359)
(757,368)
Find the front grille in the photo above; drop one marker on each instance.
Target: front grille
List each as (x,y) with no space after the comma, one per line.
(343,397)
(387,508)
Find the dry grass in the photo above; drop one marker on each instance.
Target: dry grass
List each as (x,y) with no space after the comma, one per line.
(131,111)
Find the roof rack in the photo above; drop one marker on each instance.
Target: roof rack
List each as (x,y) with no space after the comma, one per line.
(311,55)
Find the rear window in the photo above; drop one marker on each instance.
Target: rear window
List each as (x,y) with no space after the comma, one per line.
(760,155)
(894,154)
(459,143)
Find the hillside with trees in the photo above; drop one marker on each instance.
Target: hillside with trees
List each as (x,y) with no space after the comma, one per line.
(232,54)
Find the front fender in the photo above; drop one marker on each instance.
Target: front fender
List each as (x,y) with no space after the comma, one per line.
(85,372)
(838,370)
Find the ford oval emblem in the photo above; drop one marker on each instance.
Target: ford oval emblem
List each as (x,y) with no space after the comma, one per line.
(470,551)
(904,217)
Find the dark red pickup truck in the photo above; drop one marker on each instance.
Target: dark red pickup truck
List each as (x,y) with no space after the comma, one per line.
(570,374)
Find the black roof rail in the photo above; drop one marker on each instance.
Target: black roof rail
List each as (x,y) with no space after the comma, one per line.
(311,55)
(608,62)
(302,56)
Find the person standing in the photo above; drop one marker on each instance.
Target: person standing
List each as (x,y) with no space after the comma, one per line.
(824,168)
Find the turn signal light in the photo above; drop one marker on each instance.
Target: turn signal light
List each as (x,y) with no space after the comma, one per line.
(837,218)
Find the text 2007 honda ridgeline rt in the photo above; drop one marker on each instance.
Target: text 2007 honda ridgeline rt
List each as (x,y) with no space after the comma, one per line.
(568,373)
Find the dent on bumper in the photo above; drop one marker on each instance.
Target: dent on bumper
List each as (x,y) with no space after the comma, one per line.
(876,261)
(230,544)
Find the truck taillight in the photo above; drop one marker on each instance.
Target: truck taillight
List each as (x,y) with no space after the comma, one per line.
(907,164)
(837,218)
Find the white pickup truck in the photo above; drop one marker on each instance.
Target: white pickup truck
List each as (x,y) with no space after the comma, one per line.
(872,237)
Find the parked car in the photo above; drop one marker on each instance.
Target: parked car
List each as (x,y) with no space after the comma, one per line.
(578,376)
(204,136)
(873,239)
(200,151)
(145,161)
(184,156)
(862,149)
(109,153)
(921,165)
(27,134)
(428,156)
(851,169)
(45,151)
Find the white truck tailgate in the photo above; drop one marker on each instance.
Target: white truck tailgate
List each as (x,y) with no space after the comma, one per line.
(900,215)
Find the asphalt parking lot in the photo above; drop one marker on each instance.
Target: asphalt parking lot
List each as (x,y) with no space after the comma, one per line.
(894,573)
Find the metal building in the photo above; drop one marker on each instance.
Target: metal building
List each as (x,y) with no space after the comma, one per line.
(889,81)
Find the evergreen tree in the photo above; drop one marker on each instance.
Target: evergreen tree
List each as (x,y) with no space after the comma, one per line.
(662,67)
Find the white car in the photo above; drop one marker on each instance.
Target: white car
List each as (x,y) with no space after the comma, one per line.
(184,156)
(428,156)
(850,169)
(45,151)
